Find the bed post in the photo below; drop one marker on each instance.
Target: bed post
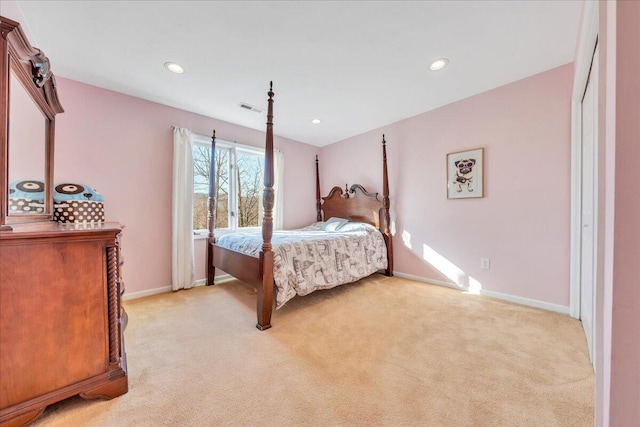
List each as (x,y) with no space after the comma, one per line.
(265,292)
(385,205)
(211,213)
(318,200)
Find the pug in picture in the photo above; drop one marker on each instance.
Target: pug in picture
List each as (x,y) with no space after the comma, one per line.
(464,174)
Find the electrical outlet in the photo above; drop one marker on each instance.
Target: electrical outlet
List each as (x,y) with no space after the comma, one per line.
(484,263)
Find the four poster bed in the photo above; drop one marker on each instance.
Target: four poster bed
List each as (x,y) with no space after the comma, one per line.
(325,254)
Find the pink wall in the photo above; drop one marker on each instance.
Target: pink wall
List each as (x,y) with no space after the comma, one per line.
(625,337)
(522,223)
(122,146)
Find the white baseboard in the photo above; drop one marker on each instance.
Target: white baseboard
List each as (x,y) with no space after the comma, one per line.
(527,301)
(134,295)
(146,293)
(429,281)
(223,278)
(498,295)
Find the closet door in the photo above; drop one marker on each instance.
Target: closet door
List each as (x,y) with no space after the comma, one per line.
(589,161)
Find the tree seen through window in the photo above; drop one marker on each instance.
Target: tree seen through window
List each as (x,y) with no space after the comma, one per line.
(248,172)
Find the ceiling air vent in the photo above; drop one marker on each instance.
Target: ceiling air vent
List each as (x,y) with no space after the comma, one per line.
(250,107)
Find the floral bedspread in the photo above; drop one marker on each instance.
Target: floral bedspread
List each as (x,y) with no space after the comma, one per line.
(309,258)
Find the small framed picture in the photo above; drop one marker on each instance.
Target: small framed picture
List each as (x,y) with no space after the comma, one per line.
(464,174)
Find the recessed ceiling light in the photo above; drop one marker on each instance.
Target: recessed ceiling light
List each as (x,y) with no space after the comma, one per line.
(438,64)
(316,121)
(174,68)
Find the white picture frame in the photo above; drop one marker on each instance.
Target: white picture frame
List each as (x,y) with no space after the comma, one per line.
(465,172)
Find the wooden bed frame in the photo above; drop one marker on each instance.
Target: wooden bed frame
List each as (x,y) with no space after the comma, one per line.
(355,204)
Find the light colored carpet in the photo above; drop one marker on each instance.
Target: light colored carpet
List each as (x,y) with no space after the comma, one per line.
(380,352)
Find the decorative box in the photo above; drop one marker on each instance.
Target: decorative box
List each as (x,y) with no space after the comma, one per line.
(26,196)
(77,203)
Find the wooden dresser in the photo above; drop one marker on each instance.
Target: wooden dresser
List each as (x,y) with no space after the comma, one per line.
(61,319)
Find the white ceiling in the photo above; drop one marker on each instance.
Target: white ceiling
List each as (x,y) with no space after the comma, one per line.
(356,65)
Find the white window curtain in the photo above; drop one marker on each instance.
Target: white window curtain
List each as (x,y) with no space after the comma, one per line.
(278,187)
(182,263)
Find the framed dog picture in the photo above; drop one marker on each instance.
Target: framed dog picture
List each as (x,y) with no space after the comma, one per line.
(464,174)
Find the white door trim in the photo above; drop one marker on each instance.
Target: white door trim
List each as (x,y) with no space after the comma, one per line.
(582,66)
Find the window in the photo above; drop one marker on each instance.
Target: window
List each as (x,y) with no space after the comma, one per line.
(239,184)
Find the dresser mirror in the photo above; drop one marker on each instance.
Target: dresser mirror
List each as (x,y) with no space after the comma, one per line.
(28,106)
(27,164)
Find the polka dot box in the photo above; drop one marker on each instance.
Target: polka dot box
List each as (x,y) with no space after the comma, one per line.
(26,196)
(77,203)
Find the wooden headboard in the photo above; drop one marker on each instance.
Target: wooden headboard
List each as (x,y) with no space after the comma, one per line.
(354,204)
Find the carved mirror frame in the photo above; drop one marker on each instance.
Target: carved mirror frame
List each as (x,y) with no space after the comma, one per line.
(31,67)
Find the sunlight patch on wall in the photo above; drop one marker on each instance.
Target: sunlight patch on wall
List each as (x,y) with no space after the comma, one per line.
(474,286)
(406,238)
(443,265)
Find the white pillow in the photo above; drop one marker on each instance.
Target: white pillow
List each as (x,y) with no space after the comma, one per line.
(334,223)
(353,226)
